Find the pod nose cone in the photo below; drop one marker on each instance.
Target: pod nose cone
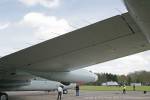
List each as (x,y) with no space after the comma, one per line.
(95,77)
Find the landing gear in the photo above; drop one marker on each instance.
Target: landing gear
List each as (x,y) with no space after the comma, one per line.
(65,91)
(3,96)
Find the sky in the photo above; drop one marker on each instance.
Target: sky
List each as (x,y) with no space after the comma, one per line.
(24,23)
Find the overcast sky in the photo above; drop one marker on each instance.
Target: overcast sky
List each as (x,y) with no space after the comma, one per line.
(27,22)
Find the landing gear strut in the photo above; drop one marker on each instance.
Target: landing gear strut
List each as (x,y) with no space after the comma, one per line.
(3,96)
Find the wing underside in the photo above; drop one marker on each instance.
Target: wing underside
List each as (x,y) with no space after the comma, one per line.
(106,40)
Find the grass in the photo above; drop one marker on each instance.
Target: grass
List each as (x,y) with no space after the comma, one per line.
(114,88)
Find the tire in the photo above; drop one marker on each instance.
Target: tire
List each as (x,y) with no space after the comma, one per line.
(3,96)
(65,91)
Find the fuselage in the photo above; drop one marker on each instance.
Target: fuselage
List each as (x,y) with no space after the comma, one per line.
(139,10)
(49,80)
(36,85)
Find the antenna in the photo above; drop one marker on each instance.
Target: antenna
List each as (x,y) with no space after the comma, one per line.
(119,11)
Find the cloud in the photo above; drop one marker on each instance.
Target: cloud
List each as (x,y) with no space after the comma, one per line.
(125,65)
(45,26)
(4,26)
(45,3)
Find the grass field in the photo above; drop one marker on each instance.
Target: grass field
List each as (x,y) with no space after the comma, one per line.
(114,88)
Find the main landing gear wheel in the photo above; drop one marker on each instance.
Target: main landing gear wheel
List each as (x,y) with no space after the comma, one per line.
(3,96)
(65,91)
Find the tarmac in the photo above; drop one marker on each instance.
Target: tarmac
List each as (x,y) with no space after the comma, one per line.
(84,95)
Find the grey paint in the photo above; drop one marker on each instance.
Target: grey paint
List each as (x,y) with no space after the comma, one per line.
(39,85)
(97,43)
(115,37)
(140,12)
(76,76)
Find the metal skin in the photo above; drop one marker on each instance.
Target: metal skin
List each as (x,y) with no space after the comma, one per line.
(138,9)
(77,76)
(39,85)
(51,82)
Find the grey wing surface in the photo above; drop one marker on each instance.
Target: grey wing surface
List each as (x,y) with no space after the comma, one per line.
(106,40)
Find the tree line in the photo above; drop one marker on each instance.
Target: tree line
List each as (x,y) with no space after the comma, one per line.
(142,77)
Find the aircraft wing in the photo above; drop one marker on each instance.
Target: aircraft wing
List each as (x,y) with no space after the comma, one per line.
(106,40)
